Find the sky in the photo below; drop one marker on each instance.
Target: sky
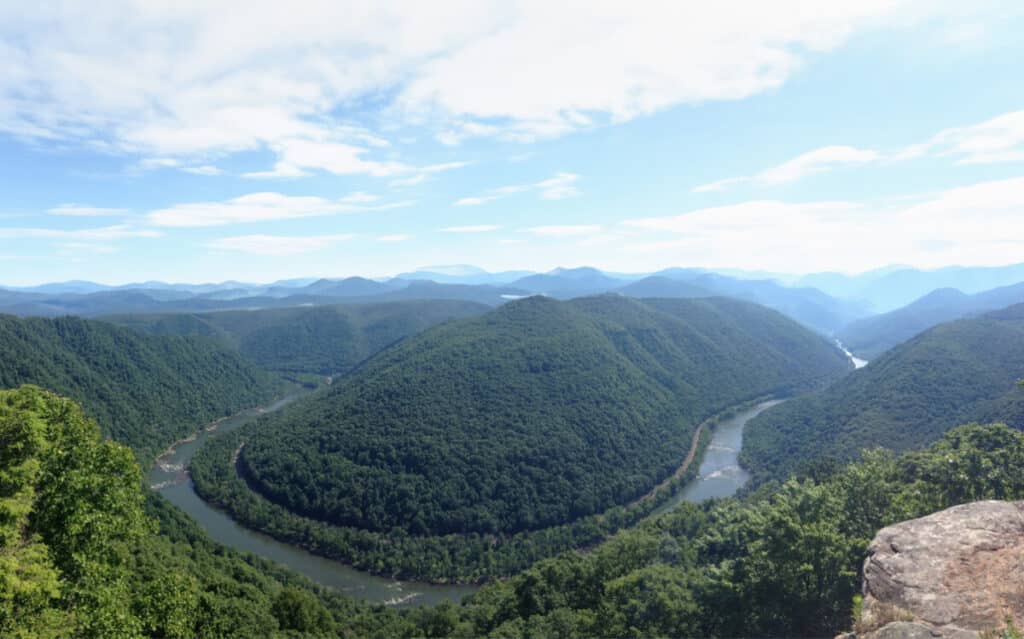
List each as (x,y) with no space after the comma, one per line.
(256,141)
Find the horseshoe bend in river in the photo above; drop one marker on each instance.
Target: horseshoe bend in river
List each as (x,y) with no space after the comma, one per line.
(719,476)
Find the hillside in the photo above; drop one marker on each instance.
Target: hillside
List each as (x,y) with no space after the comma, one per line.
(538,413)
(871,336)
(957,372)
(145,391)
(324,340)
(809,306)
(784,563)
(80,555)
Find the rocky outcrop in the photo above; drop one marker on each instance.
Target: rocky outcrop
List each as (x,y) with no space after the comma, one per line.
(955,573)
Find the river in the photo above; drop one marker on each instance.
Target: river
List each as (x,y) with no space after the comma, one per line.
(172,481)
(719,476)
(857,362)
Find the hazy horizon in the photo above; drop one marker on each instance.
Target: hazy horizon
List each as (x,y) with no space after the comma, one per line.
(450,271)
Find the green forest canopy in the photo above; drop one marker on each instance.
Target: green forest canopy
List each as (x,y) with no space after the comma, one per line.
(535,414)
(325,340)
(146,391)
(957,372)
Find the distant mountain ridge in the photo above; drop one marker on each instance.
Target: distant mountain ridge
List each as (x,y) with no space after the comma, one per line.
(892,287)
(808,306)
(869,337)
(323,340)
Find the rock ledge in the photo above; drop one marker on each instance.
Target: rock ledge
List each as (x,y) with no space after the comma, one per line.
(956,573)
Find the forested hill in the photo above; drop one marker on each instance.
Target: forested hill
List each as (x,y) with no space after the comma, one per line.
(534,414)
(144,391)
(871,336)
(324,339)
(79,556)
(957,372)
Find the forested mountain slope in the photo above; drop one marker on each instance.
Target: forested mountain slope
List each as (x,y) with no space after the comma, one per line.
(871,336)
(323,339)
(538,413)
(953,373)
(780,563)
(80,557)
(145,391)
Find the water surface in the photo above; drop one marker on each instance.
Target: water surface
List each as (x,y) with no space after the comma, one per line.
(719,474)
(172,481)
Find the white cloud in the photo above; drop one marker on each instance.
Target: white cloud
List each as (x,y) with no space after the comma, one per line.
(159,163)
(277,245)
(564,230)
(1000,139)
(475,201)
(810,163)
(296,155)
(978,224)
(359,197)
(257,207)
(410,181)
(205,169)
(85,210)
(116,232)
(558,187)
(478,228)
(79,247)
(399,237)
(209,79)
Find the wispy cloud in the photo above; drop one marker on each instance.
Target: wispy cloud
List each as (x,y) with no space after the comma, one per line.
(198,90)
(817,161)
(359,197)
(277,245)
(258,207)
(78,247)
(476,228)
(558,187)
(116,232)
(398,237)
(85,210)
(979,224)
(1000,139)
(578,230)
(205,169)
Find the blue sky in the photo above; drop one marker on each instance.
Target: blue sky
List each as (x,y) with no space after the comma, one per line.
(259,141)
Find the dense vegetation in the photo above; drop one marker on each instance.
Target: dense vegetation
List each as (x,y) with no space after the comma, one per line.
(324,340)
(961,371)
(784,562)
(145,391)
(872,336)
(537,414)
(79,556)
(463,558)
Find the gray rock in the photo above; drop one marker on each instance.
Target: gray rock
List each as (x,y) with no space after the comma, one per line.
(954,573)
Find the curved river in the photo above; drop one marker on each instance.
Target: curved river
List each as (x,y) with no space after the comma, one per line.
(719,476)
(172,481)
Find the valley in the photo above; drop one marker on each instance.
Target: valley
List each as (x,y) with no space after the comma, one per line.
(435,409)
